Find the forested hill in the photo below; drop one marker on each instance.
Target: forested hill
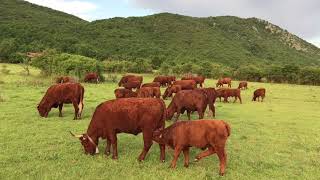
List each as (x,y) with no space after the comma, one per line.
(161,37)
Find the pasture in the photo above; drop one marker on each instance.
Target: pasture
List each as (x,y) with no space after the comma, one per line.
(276,139)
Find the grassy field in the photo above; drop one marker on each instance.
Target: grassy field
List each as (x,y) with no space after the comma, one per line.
(277,139)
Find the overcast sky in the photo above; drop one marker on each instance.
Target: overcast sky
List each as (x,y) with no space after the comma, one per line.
(301,17)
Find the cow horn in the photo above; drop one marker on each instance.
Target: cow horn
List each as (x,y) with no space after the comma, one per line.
(77,136)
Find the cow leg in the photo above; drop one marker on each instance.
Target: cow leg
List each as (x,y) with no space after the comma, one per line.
(76,110)
(60,109)
(201,85)
(235,99)
(147,141)
(213,109)
(162,152)
(178,114)
(177,151)
(186,156)
(206,153)
(114,146)
(107,151)
(262,97)
(221,152)
(201,113)
(240,99)
(188,113)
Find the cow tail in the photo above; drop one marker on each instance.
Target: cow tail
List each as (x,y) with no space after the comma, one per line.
(227,128)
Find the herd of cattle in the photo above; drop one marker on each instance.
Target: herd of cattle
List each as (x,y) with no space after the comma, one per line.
(144,111)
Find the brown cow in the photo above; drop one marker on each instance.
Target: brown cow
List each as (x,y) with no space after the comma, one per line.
(220,93)
(65,79)
(125,115)
(152,84)
(198,79)
(124,93)
(261,92)
(130,78)
(223,81)
(92,77)
(236,93)
(163,80)
(149,92)
(58,94)
(132,85)
(189,100)
(170,90)
(211,134)
(171,79)
(186,84)
(243,85)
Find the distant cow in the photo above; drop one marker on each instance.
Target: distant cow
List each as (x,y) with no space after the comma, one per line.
(170,90)
(186,84)
(125,115)
(130,78)
(124,93)
(152,84)
(132,85)
(259,93)
(243,85)
(188,100)
(164,80)
(236,93)
(58,94)
(65,79)
(91,77)
(211,134)
(223,81)
(149,92)
(198,79)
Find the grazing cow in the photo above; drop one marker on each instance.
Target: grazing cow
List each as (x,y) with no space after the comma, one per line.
(163,80)
(198,79)
(130,78)
(243,85)
(132,85)
(236,93)
(223,81)
(125,115)
(153,84)
(124,93)
(170,90)
(186,84)
(91,77)
(211,95)
(211,134)
(189,100)
(58,94)
(65,79)
(259,93)
(220,93)
(149,92)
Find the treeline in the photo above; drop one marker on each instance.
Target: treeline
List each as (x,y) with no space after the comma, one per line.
(53,62)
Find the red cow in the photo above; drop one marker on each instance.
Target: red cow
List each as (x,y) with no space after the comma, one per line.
(243,85)
(186,84)
(198,79)
(170,90)
(125,115)
(153,84)
(132,85)
(236,93)
(220,93)
(163,80)
(91,77)
(124,93)
(211,134)
(149,92)
(130,78)
(224,81)
(259,93)
(58,94)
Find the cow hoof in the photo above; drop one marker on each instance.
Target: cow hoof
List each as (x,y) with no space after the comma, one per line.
(115,157)
(196,159)
(221,173)
(186,165)
(107,153)
(163,161)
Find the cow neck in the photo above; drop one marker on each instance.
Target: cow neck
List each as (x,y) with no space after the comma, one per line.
(91,140)
(93,136)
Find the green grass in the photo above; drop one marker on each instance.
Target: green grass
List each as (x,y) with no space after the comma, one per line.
(277,139)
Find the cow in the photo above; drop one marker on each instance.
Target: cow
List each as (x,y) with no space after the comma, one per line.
(211,134)
(58,94)
(198,79)
(261,92)
(243,85)
(171,79)
(211,95)
(65,79)
(188,100)
(163,80)
(149,92)
(130,78)
(223,81)
(220,93)
(132,85)
(152,84)
(236,93)
(124,93)
(170,90)
(92,77)
(125,115)
(186,84)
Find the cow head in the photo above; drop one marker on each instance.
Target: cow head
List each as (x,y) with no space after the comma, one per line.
(89,146)
(157,136)
(43,110)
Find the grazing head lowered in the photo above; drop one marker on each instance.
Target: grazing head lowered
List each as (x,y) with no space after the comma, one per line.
(90,147)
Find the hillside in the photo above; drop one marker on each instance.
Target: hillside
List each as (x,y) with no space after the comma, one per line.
(161,37)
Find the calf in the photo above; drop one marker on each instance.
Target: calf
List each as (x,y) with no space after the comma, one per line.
(146,92)
(153,84)
(236,93)
(224,81)
(170,90)
(124,93)
(211,134)
(125,115)
(186,84)
(91,77)
(243,85)
(58,94)
(259,93)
